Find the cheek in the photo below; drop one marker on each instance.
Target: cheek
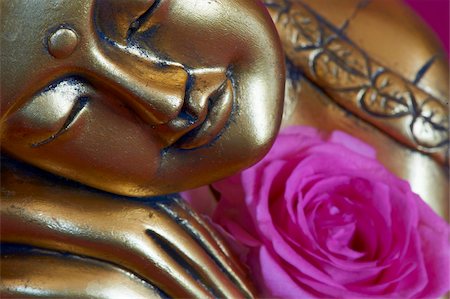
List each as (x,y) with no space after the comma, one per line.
(106,147)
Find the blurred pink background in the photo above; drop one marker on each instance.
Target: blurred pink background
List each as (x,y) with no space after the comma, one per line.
(436,14)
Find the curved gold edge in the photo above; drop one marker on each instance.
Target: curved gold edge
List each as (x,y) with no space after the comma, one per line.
(360,84)
(30,273)
(160,240)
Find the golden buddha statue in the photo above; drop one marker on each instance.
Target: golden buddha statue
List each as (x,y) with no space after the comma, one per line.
(136,98)
(109,105)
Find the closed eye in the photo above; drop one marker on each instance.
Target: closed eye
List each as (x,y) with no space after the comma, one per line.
(76,110)
(142,19)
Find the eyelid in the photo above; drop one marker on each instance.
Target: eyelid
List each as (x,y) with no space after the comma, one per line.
(77,108)
(137,24)
(52,110)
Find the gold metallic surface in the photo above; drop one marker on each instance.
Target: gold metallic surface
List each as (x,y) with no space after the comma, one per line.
(393,35)
(62,43)
(162,241)
(44,275)
(128,97)
(407,121)
(147,97)
(379,92)
(139,97)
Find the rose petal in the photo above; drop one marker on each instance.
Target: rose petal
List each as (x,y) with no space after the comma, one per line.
(293,258)
(326,219)
(434,237)
(276,280)
(201,199)
(352,144)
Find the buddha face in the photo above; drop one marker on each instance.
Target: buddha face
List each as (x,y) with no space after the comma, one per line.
(139,97)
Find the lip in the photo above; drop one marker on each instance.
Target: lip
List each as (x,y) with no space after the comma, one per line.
(220,104)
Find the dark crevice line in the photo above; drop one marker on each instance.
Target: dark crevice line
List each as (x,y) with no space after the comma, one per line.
(180,260)
(197,217)
(185,113)
(194,234)
(328,25)
(220,243)
(136,24)
(9,248)
(423,70)
(343,64)
(76,110)
(348,112)
(361,5)
(344,37)
(339,33)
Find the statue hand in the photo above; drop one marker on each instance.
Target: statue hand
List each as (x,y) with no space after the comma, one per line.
(160,240)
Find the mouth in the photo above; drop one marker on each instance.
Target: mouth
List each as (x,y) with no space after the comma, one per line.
(201,122)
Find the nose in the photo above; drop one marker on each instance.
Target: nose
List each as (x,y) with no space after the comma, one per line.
(206,109)
(154,90)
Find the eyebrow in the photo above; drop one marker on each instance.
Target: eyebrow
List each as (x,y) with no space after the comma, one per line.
(137,24)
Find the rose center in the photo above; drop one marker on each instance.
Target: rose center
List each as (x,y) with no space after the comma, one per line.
(336,226)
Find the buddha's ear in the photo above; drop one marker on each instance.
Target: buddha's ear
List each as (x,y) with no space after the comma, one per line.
(117,19)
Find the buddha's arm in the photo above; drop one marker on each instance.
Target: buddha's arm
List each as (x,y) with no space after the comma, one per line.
(361,70)
(161,241)
(345,64)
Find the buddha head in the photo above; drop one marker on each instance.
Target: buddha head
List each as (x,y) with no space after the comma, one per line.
(139,97)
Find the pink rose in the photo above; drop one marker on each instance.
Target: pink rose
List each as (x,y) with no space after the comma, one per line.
(323,218)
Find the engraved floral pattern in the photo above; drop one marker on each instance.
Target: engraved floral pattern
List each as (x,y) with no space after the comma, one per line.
(384,98)
(357,82)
